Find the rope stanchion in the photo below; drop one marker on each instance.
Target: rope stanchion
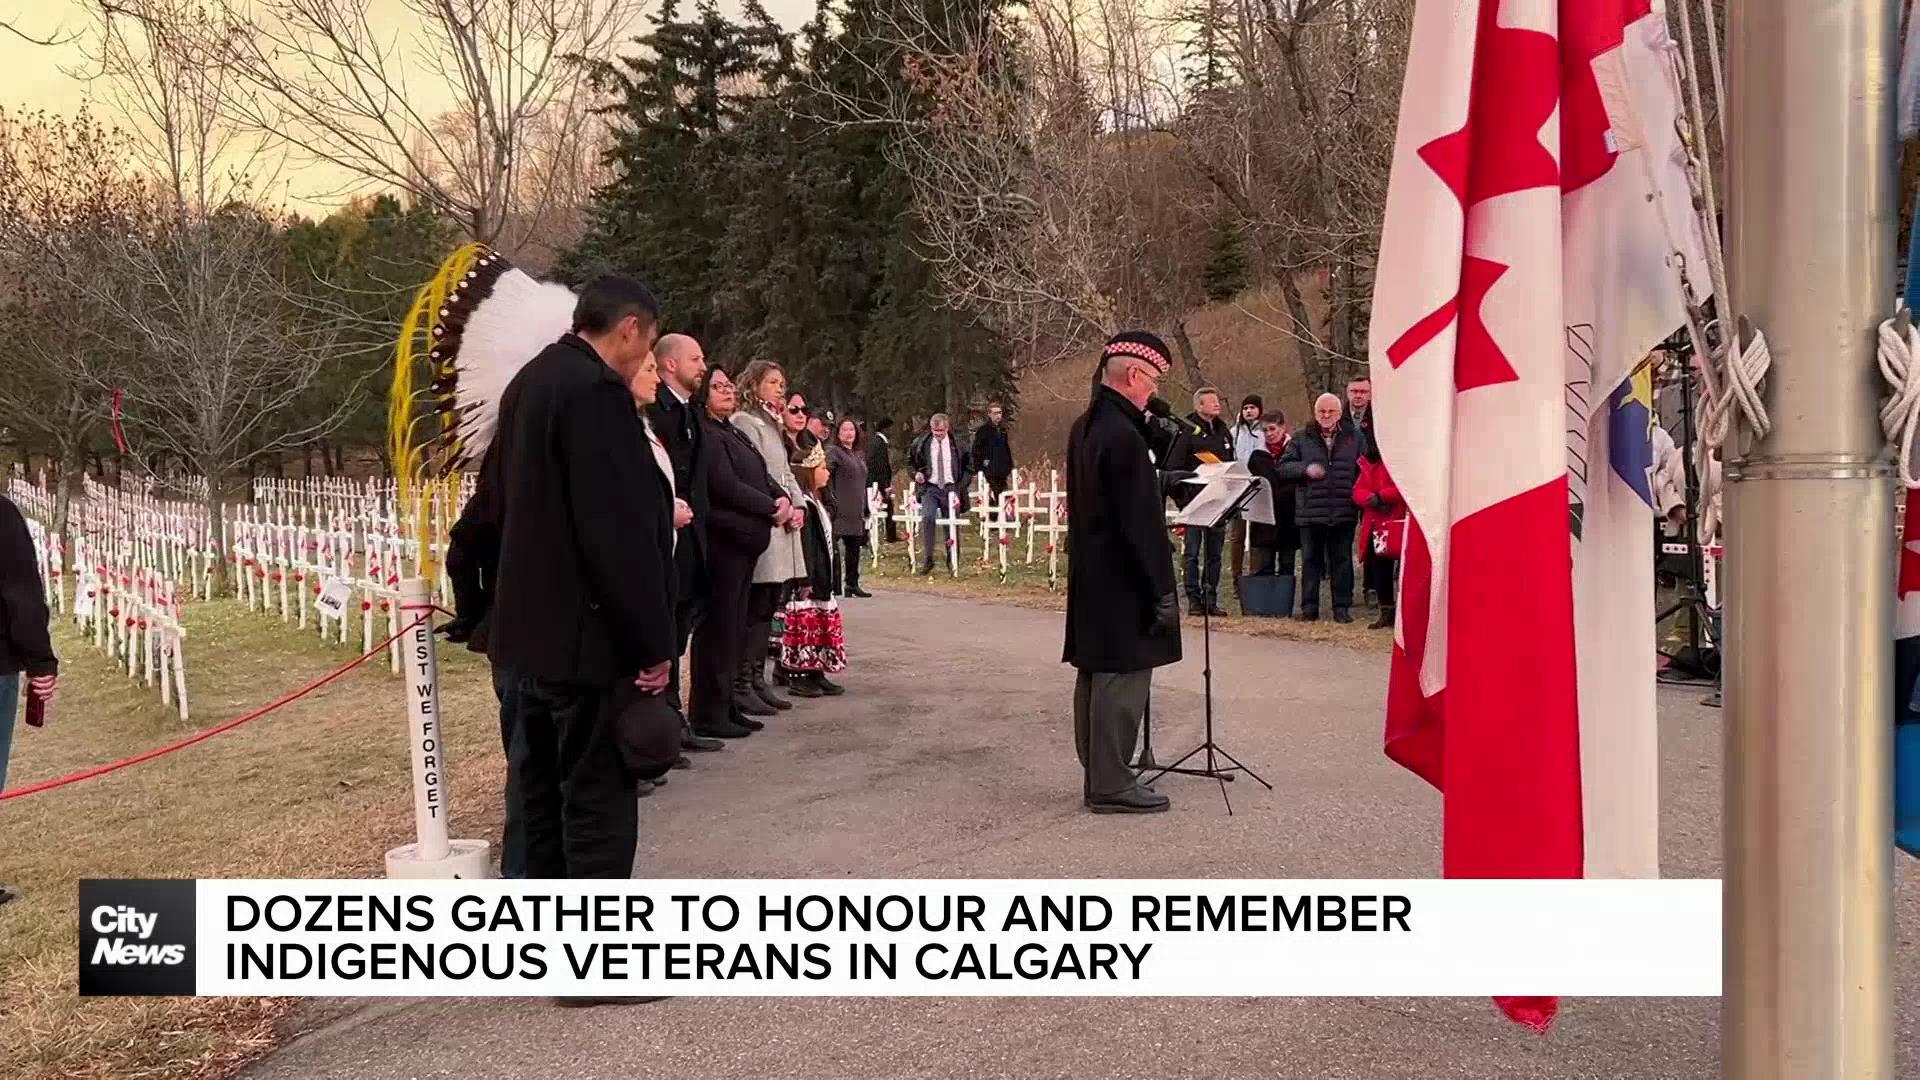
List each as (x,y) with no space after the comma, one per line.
(287,699)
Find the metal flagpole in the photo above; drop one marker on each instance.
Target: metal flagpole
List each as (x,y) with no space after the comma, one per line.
(1807,992)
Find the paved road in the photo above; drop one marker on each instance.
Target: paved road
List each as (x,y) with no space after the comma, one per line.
(951,756)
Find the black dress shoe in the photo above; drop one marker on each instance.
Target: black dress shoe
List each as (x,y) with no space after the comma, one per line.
(828,686)
(1216,611)
(698,743)
(749,723)
(806,689)
(1308,616)
(1384,622)
(724,730)
(751,705)
(682,762)
(1340,615)
(643,788)
(861,593)
(1139,800)
(774,701)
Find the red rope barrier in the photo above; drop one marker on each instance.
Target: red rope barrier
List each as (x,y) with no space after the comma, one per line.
(102,770)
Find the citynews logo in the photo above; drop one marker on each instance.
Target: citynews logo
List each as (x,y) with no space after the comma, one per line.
(136,938)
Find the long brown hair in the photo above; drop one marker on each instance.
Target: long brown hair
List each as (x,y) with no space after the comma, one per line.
(751,376)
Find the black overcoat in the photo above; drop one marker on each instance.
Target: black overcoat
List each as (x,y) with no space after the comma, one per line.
(1328,500)
(1120,560)
(586,589)
(678,425)
(740,494)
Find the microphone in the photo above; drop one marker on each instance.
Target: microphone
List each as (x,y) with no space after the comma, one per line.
(1160,420)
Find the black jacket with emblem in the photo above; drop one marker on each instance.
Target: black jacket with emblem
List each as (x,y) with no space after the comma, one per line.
(1121,561)
(587,582)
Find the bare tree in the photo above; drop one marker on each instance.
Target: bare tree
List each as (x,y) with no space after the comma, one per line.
(59,37)
(1040,166)
(65,200)
(159,63)
(228,339)
(318,75)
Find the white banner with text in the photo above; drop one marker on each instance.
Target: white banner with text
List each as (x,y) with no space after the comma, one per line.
(802,938)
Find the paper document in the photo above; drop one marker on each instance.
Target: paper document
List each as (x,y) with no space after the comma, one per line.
(1224,481)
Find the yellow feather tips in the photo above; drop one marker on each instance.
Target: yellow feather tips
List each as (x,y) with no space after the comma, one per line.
(426,498)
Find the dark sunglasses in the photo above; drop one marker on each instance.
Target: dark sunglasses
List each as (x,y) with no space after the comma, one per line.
(797,410)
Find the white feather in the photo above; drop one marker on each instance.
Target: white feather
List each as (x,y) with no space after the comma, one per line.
(520,317)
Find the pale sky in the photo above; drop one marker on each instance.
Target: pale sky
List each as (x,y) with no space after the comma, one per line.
(37,77)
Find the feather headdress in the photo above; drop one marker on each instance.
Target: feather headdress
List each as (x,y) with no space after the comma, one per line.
(472,327)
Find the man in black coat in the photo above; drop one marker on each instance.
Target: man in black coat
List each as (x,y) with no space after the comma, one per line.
(676,420)
(585,597)
(1324,460)
(744,506)
(993,451)
(473,569)
(1123,617)
(1206,436)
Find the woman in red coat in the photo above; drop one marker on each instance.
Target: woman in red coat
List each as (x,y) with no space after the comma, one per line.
(1383,529)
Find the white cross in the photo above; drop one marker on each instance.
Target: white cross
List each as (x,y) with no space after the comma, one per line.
(876,521)
(1002,527)
(953,521)
(909,519)
(1055,502)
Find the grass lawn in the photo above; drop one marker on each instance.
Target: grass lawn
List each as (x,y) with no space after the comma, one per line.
(320,788)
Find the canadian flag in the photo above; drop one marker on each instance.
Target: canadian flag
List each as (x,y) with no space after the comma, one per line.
(1538,194)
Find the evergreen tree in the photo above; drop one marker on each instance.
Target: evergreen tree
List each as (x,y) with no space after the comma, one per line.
(1229,268)
(675,106)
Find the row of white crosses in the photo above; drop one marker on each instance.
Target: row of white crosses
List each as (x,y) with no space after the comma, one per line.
(342,544)
(999,523)
(128,557)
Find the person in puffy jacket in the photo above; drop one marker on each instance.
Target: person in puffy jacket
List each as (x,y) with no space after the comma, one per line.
(1383,514)
(1324,461)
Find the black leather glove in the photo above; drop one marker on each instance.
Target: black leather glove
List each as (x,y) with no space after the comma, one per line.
(1171,481)
(1166,617)
(457,630)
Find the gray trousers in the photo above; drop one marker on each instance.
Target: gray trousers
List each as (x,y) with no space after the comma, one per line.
(1107,707)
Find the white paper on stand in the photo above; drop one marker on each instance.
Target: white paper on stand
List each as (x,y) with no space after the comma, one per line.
(1224,483)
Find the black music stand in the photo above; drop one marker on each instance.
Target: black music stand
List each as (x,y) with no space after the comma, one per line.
(1212,769)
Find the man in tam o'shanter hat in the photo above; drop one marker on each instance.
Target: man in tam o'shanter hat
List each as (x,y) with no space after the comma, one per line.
(1122,617)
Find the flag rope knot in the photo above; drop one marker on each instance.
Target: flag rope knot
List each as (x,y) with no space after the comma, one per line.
(1900,415)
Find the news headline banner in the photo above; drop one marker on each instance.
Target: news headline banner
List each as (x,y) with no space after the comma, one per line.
(1000,938)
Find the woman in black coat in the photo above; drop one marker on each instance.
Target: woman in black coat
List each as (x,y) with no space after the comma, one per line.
(743,503)
(847,483)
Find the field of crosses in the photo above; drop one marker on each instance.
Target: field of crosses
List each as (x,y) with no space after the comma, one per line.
(327,556)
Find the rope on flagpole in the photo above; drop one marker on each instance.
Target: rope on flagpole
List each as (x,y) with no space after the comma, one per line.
(1900,414)
(1731,372)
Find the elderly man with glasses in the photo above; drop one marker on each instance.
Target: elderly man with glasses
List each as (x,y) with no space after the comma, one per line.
(1123,617)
